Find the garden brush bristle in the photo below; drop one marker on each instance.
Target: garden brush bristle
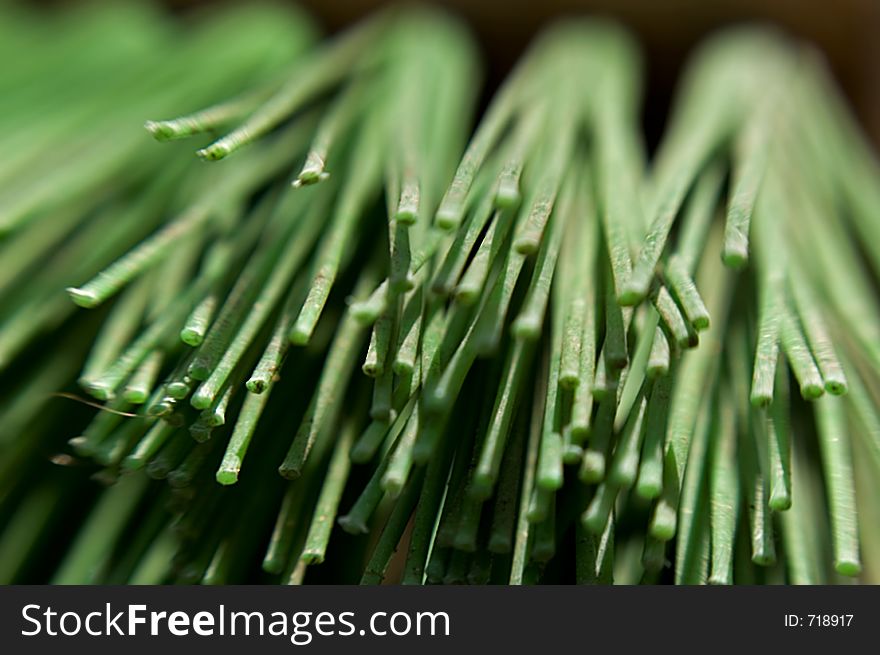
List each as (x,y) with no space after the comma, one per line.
(364,348)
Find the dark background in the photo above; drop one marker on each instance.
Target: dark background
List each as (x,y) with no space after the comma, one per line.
(847,31)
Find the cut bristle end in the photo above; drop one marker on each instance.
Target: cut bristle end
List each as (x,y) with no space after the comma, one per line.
(372,369)
(81,446)
(780,502)
(737,259)
(654,372)
(448,218)
(526,328)
(288,473)
(352,526)
(812,391)
(526,245)
(274,566)
(569,381)
(308,178)
(580,433)
(227,477)
(507,198)
(360,455)
(760,399)
(663,530)
(593,522)
(199,372)
(201,400)
(406,215)
(466,295)
(214,152)
(363,313)
(83,298)
(593,468)
(299,336)
(648,490)
(392,485)
(848,568)
(310,558)
(630,296)
(403,368)
(191,337)
(160,130)
(481,487)
(97,390)
(200,433)
(763,559)
(135,397)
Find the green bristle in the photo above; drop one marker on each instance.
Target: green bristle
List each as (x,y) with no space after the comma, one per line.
(516,353)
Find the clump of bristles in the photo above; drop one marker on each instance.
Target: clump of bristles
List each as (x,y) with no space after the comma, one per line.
(576,367)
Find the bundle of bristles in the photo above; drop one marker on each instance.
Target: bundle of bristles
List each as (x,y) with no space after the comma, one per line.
(525,357)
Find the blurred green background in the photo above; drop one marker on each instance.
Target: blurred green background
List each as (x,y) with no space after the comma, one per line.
(847,31)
